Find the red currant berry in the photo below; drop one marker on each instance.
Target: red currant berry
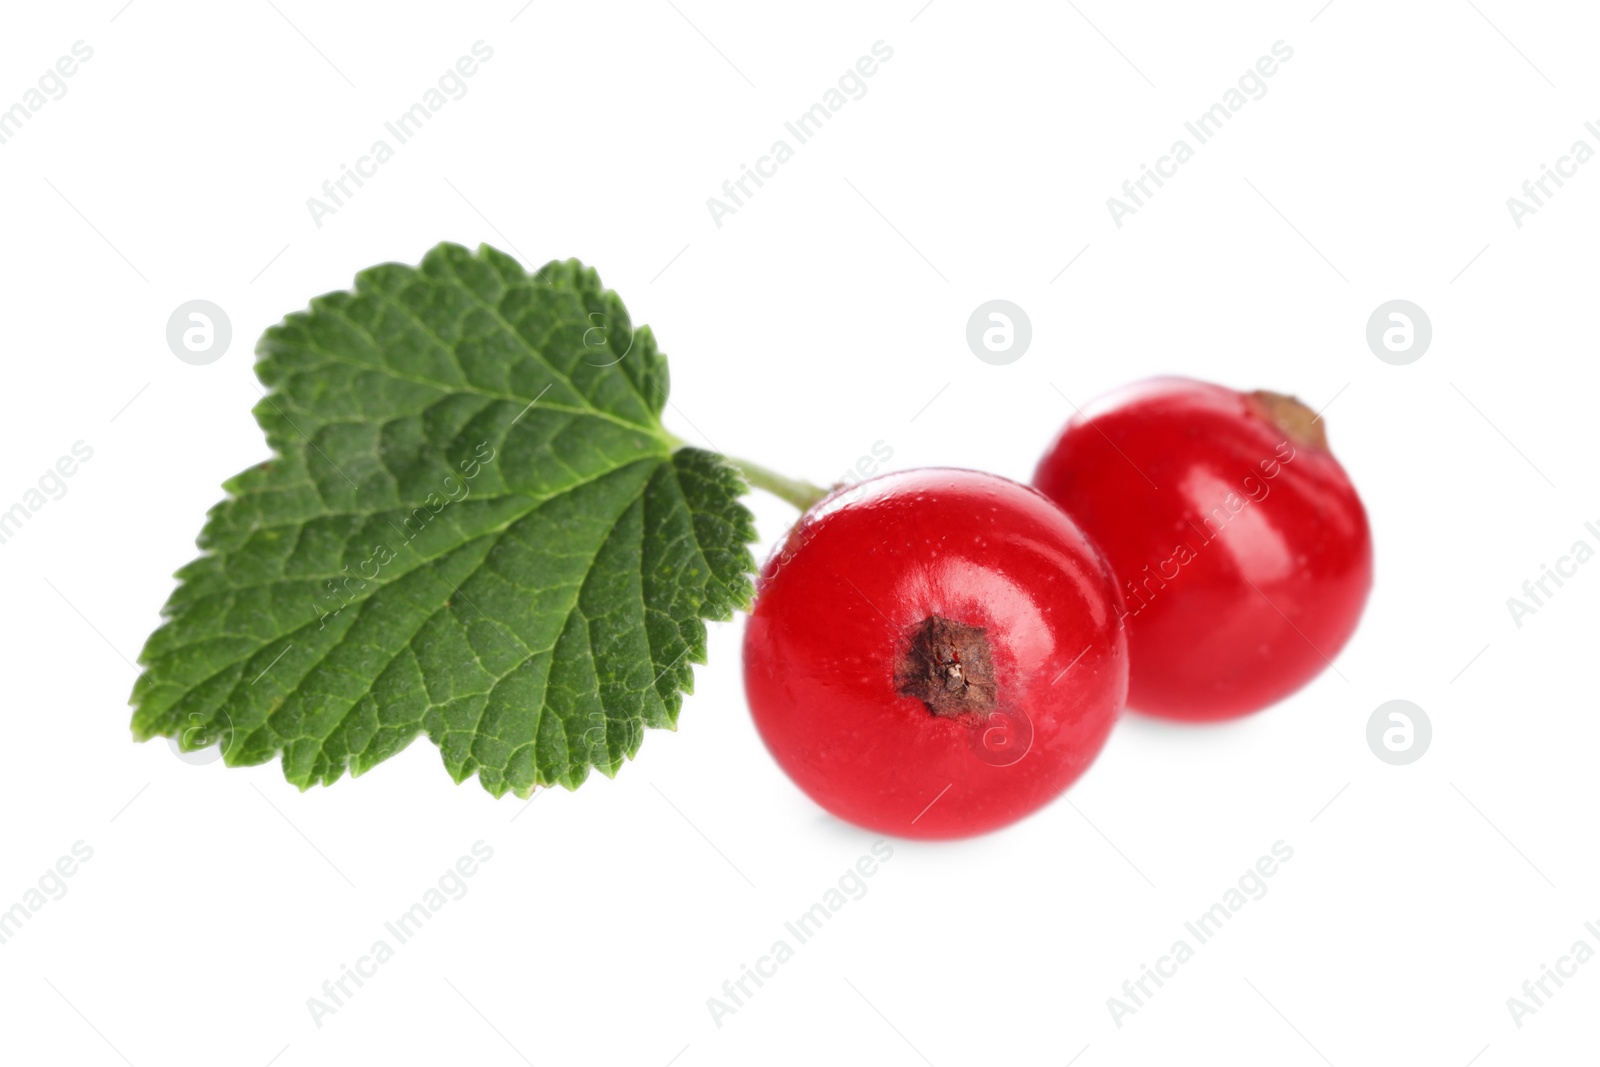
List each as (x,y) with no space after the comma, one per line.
(935,653)
(1242,548)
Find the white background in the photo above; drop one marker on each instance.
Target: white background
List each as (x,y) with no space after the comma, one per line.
(825,316)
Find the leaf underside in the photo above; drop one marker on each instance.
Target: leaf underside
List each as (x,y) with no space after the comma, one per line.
(474,527)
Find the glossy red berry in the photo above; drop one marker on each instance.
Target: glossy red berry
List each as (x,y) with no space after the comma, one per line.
(935,653)
(1241,547)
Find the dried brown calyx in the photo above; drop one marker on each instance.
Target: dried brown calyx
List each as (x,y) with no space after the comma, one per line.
(946,665)
(1299,423)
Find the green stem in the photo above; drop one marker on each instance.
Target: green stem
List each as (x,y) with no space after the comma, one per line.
(802,495)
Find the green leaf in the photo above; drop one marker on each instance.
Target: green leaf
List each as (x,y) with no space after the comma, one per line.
(475,526)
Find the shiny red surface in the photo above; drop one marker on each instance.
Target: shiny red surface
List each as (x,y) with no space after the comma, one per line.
(1245,558)
(834,604)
